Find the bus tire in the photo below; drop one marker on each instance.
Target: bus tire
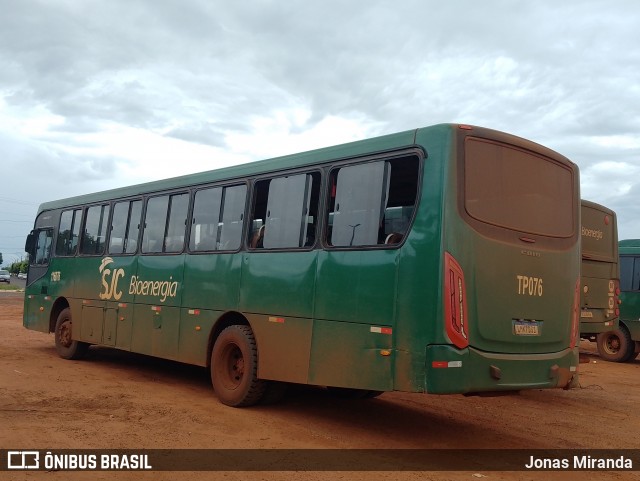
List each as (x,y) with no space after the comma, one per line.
(234,367)
(66,347)
(616,345)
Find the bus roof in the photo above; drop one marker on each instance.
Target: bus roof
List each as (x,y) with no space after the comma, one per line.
(629,246)
(600,207)
(379,144)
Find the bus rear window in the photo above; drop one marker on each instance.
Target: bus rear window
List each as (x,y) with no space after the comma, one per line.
(518,190)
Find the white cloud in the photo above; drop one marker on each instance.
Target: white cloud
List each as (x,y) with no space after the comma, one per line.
(102,94)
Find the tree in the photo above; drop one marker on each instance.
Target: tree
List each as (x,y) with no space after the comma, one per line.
(0,258)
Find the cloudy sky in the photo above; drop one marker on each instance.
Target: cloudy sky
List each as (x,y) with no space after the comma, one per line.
(101,94)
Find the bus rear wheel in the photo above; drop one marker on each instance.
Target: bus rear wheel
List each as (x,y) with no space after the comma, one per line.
(616,345)
(66,347)
(234,367)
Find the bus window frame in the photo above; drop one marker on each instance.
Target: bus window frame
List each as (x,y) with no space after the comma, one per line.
(187,227)
(227,183)
(414,151)
(56,229)
(252,202)
(139,239)
(85,210)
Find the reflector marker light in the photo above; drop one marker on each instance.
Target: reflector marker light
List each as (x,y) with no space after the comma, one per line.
(194,312)
(445,364)
(47,298)
(575,321)
(381,330)
(156,308)
(122,305)
(279,320)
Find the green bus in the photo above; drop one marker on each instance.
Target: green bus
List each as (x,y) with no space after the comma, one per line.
(623,343)
(599,296)
(443,259)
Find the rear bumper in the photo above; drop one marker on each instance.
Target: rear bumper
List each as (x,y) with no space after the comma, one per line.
(450,370)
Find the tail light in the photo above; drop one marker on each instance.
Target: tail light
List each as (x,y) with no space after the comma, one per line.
(455,302)
(575,318)
(614,293)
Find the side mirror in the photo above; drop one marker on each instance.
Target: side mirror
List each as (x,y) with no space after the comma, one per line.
(30,244)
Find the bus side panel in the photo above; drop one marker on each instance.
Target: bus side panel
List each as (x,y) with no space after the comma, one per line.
(102,290)
(158,290)
(633,326)
(630,307)
(346,354)
(284,347)
(213,281)
(278,283)
(419,274)
(357,286)
(195,326)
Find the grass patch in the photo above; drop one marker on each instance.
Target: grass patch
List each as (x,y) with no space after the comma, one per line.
(10,287)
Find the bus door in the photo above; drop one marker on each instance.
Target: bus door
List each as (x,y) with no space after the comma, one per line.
(38,300)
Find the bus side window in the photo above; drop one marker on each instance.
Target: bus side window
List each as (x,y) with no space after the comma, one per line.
(94,236)
(125,225)
(43,247)
(218,214)
(372,203)
(68,231)
(285,212)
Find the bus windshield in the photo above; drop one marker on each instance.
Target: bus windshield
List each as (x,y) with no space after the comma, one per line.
(511,188)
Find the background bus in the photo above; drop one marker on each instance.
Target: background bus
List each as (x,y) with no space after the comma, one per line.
(624,342)
(600,278)
(443,260)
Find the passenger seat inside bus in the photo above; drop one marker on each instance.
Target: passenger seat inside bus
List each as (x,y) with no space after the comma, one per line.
(258,238)
(393,238)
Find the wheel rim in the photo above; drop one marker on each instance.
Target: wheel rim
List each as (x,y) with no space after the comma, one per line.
(232,367)
(65,333)
(612,344)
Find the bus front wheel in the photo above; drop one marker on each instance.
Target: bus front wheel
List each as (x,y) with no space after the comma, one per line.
(616,346)
(234,367)
(66,347)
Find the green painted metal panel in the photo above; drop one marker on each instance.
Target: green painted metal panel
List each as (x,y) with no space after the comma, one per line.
(346,354)
(357,286)
(156,331)
(212,281)
(278,283)
(195,328)
(110,326)
(124,327)
(470,370)
(284,347)
(633,325)
(92,316)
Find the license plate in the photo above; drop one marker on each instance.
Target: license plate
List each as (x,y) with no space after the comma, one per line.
(526,328)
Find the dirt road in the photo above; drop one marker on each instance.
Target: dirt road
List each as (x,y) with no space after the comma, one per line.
(118,400)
